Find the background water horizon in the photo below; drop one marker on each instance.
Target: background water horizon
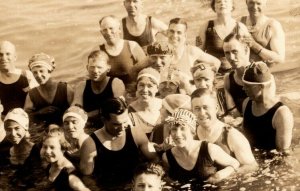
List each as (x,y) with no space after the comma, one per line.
(68,30)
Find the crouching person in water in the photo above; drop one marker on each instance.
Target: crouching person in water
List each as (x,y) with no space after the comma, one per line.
(61,171)
(112,153)
(210,128)
(148,176)
(16,125)
(193,159)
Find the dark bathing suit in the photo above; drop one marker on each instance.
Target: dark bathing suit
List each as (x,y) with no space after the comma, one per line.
(237,93)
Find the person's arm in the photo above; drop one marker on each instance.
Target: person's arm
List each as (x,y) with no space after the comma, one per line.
(87,154)
(76,184)
(143,143)
(137,51)
(241,148)
(201,38)
(78,94)
(31,80)
(118,87)
(28,106)
(277,44)
(207,58)
(70,94)
(158,27)
(283,122)
(165,161)
(231,107)
(219,156)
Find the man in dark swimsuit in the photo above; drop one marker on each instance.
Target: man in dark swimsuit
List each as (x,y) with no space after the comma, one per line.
(112,153)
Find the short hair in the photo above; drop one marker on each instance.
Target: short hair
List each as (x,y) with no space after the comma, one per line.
(212,5)
(178,20)
(203,91)
(109,16)
(238,37)
(149,168)
(96,54)
(113,106)
(55,131)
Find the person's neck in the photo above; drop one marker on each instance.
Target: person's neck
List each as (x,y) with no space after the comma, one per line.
(187,150)
(48,85)
(108,135)
(115,44)
(60,163)
(224,19)
(99,84)
(178,50)
(213,127)
(240,71)
(146,105)
(12,71)
(255,19)
(266,102)
(135,19)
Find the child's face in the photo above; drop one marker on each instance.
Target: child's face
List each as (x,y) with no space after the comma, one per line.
(147,182)
(14,131)
(51,150)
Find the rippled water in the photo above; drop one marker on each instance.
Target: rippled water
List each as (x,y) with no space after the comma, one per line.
(68,30)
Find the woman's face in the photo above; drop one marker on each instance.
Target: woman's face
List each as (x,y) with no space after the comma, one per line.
(223,6)
(147,182)
(14,131)
(41,74)
(204,79)
(205,108)
(166,88)
(51,150)
(74,126)
(181,134)
(146,88)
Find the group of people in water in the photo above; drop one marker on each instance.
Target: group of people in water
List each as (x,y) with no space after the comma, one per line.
(154,102)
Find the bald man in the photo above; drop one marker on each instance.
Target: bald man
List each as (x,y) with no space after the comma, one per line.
(14,82)
(268,38)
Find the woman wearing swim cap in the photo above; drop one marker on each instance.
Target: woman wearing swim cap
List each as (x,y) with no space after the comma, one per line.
(48,101)
(193,159)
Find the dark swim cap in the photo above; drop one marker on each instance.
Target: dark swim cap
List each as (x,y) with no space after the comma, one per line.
(160,48)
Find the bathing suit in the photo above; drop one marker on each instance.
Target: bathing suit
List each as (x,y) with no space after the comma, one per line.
(14,95)
(259,130)
(60,101)
(145,38)
(113,167)
(237,93)
(203,168)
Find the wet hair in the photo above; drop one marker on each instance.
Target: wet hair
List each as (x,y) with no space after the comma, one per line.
(238,37)
(178,20)
(203,91)
(149,168)
(96,54)
(55,131)
(113,106)
(109,16)
(212,5)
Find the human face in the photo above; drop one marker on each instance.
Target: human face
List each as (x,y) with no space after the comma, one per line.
(236,54)
(181,134)
(51,150)
(147,182)
(7,56)
(205,108)
(14,131)
(41,74)
(167,88)
(110,30)
(204,78)
(253,91)
(256,7)
(223,6)
(133,7)
(74,126)
(146,89)
(117,124)
(160,62)
(177,34)
(98,69)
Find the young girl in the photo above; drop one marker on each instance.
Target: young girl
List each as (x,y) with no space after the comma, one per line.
(16,124)
(61,171)
(148,176)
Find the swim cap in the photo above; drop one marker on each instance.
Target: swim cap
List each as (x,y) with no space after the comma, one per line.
(257,73)
(18,115)
(77,112)
(150,73)
(159,48)
(183,117)
(42,59)
(173,102)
